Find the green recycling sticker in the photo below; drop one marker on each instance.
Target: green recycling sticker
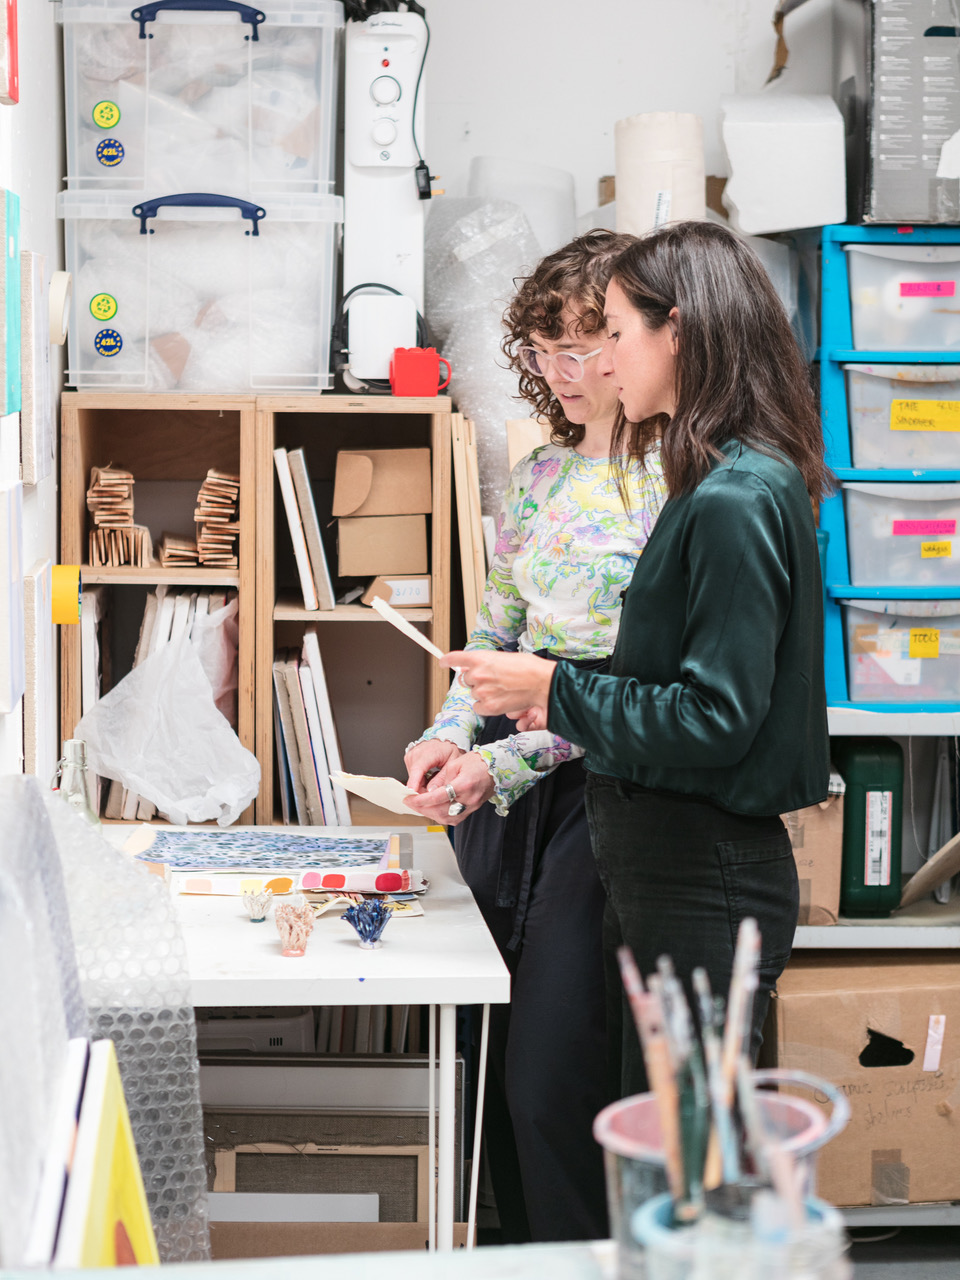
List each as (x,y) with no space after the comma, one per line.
(106,115)
(103,306)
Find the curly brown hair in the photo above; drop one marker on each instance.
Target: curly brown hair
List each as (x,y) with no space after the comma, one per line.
(573,277)
(576,277)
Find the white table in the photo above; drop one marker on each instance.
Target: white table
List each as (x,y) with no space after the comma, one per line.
(444,958)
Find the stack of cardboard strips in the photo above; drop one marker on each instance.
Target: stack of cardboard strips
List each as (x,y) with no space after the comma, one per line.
(115,540)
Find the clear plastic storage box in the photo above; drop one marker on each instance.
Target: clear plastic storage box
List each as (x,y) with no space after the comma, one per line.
(200,292)
(903,650)
(904,297)
(904,415)
(226,97)
(903,534)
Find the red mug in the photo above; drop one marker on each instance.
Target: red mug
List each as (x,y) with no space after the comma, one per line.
(415,371)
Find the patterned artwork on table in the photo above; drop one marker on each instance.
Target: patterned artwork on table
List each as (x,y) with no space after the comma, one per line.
(263,850)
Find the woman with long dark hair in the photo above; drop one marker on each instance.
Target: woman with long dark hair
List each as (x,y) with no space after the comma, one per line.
(575,518)
(711,721)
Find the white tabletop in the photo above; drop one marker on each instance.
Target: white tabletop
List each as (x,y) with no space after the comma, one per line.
(594,1261)
(445,956)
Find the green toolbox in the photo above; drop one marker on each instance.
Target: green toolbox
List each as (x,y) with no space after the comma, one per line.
(872,768)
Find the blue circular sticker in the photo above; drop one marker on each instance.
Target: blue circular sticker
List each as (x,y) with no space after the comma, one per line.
(108,342)
(110,152)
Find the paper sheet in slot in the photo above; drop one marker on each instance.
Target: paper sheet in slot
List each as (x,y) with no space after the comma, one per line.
(386,793)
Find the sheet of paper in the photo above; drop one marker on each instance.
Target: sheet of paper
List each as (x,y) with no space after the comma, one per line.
(386,793)
(390,614)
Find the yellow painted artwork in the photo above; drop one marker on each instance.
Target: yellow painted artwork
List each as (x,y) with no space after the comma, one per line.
(106,1221)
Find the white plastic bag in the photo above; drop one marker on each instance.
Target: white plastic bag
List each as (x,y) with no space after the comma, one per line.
(215,637)
(159,733)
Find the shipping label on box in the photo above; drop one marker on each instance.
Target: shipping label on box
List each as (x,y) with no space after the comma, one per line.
(886,1032)
(401,591)
(816,834)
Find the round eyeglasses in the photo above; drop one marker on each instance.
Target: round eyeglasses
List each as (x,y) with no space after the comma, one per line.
(568,364)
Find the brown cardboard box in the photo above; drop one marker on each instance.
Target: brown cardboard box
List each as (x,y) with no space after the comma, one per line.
(374,545)
(816,834)
(382,482)
(837,1013)
(297,1239)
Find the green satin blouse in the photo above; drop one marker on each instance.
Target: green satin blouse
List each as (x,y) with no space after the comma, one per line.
(716,687)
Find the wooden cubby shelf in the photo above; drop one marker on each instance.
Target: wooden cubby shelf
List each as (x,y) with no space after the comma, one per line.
(382,688)
(168,442)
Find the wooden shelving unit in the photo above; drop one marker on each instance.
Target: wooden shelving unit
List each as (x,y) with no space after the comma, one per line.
(383,689)
(168,442)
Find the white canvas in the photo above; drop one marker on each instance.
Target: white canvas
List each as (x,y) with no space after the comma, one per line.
(40,740)
(37,430)
(12,663)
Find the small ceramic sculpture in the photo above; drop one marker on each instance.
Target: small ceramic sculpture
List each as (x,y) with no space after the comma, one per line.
(294,924)
(369,918)
(257,905)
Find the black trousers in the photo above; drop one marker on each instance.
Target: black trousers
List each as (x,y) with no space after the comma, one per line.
(680,874)
(535,882)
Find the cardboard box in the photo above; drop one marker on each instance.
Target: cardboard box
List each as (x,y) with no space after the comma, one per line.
(382,482)
(376,545)
(787,162)
(898,88)
(297,1239)
(403,591)
(886,1030)
(816,834)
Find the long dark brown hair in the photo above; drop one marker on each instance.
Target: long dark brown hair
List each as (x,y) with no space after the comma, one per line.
(740,374)
(575,278)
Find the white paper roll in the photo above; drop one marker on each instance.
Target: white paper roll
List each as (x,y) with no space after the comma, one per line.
(660,170)
(61,287)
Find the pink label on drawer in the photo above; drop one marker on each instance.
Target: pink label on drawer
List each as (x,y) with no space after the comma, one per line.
(928,289)
(923,528)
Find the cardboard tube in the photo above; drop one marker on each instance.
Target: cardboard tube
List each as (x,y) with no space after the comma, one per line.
(65,593)
(660,170)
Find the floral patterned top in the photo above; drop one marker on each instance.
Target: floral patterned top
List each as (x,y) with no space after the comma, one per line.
(565,549)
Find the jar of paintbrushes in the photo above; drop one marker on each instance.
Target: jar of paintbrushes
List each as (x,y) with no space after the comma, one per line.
(707,1177)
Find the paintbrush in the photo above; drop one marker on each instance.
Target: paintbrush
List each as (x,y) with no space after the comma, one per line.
(723,1158)
(693,1100)
(648,1016)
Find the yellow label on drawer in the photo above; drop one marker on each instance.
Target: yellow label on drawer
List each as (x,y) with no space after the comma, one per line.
(936,550)
(925,415)
(924,643)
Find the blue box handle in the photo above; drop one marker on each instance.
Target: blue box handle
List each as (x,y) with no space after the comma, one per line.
(199,200)
(248,13)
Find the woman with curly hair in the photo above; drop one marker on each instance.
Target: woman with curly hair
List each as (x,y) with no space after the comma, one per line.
(576,516)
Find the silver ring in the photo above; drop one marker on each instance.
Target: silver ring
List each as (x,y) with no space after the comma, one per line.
(455,810)
(451,794)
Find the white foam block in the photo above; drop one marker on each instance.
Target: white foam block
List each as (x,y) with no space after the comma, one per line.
(786,158)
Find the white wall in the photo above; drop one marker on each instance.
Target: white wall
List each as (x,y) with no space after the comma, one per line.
(547,79)
(31,164)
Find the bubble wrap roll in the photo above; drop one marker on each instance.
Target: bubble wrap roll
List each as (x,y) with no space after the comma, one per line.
(135,983)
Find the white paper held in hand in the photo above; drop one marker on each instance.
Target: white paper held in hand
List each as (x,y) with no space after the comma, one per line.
(391,615)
